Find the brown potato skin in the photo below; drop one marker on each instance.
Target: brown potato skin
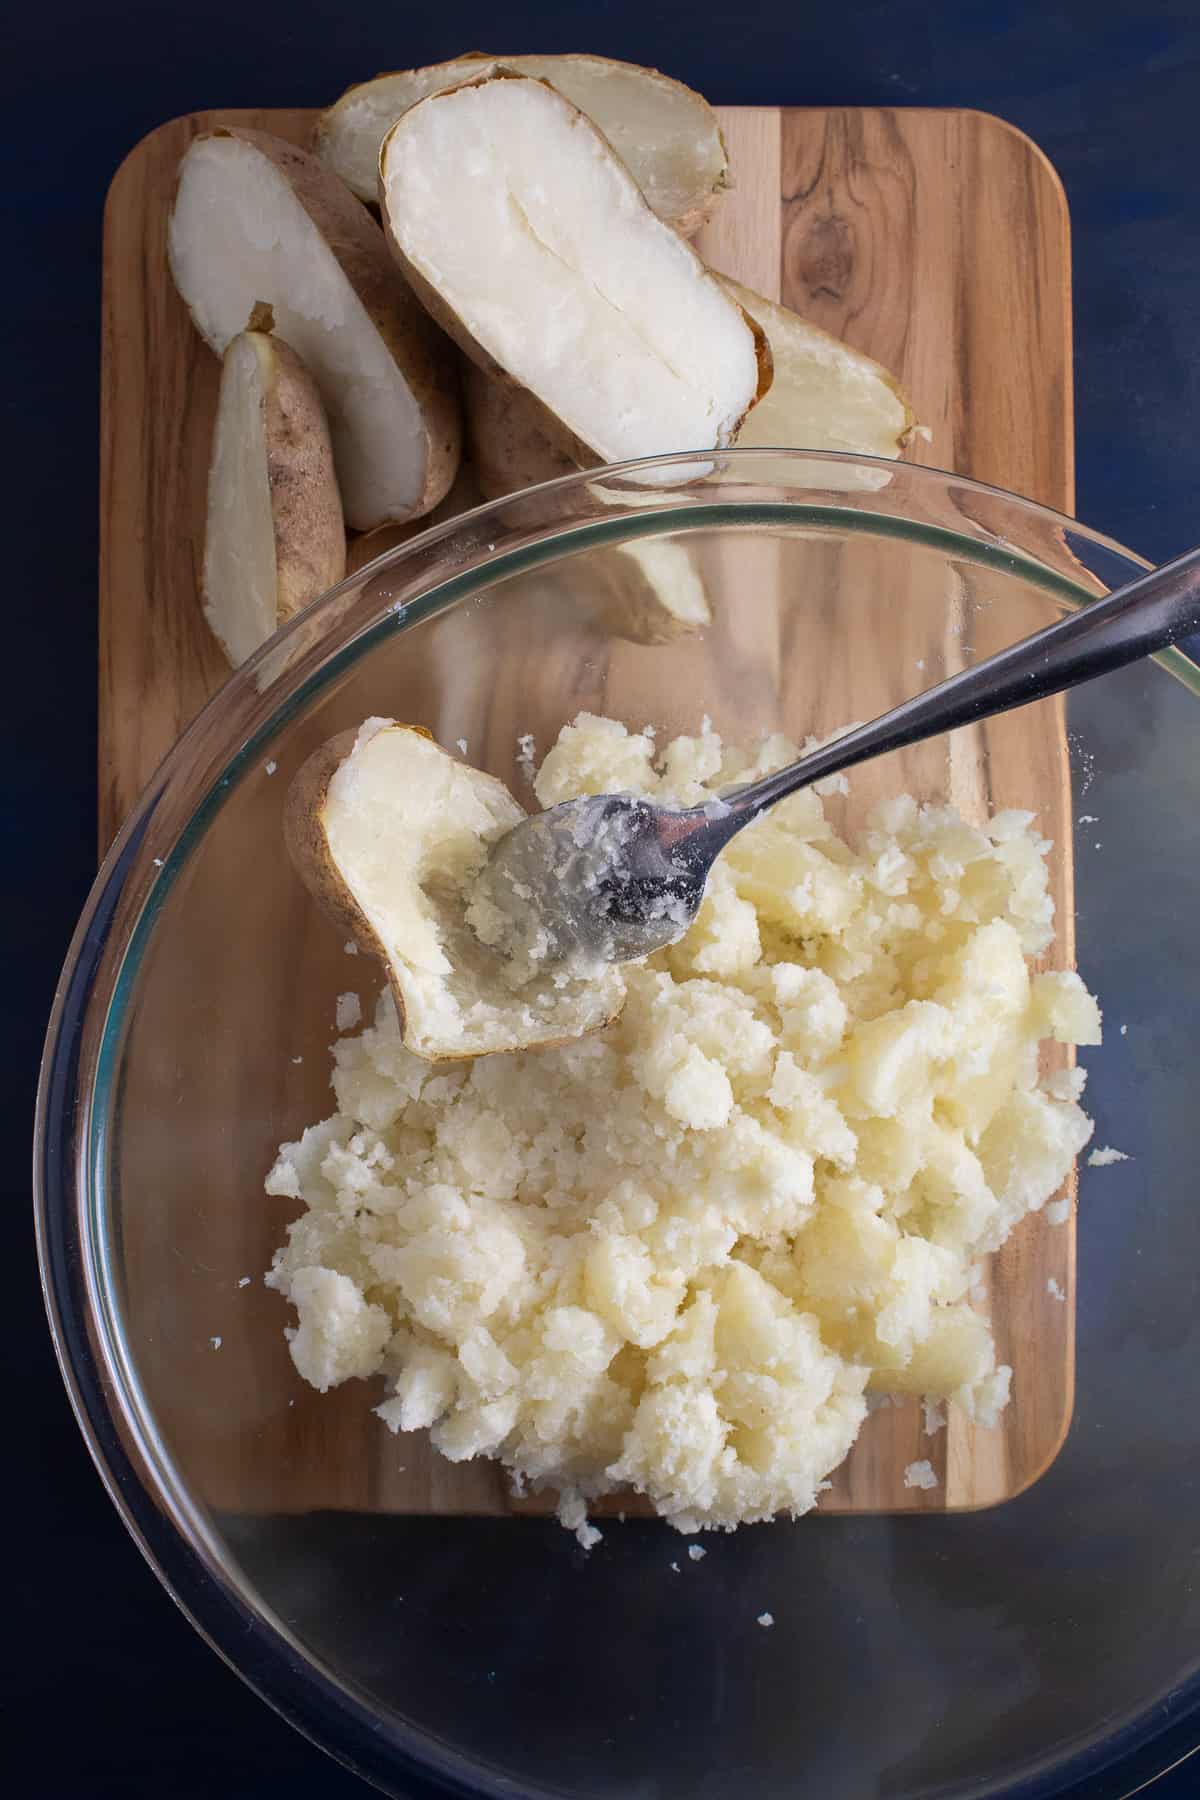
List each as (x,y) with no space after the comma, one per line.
(509,445)
(306,843)
(766,367)
(539,421)
(365,546)
(417,347)
(306,508)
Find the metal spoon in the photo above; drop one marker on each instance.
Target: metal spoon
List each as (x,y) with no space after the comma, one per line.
(612,877)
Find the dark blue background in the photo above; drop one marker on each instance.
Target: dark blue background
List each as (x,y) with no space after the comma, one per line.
(109,1691)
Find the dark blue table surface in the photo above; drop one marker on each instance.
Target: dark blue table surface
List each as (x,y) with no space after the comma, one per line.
(108,1690)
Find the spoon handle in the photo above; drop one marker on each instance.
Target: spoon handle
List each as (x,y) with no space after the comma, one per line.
(1145,615)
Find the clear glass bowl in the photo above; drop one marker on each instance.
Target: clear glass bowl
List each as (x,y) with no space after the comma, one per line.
(1051,1639)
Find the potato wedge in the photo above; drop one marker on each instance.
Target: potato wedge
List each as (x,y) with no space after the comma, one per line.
(389,832)
(528,240)
(385,373)
(650,591)
(825,395)
(666,134)
(274,538)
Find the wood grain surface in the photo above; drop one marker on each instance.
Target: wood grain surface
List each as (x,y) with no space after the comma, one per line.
(935,241)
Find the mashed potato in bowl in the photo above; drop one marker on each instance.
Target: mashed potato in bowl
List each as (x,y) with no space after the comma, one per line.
(675,1255)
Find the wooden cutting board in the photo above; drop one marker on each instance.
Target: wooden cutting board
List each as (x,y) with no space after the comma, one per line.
(936,241)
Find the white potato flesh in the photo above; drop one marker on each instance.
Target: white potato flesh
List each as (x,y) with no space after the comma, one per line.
(239,235)
(666,133)
(534,238)
(240,588)
(824,395)
(407,828)
(397,809)
(672,577)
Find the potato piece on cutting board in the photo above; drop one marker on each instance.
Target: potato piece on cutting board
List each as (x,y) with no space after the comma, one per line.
(666,134)
(824,395)
(274,537)
(389,832)
(256,219)
(528,240)
(652,591)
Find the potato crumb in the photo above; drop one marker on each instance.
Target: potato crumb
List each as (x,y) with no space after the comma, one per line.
(673,1254)
(697,1552)
(1066,1084)
(215,1342)
(349,1011)
(766,1620)
(920,1475)
(339,1334)
(1102,1159)
(461,745)
(675,1567)
(350,947)
(271,767)
(572,1512)
(1058,1212)
(933,1416)
(245,1281)
(1054,1289)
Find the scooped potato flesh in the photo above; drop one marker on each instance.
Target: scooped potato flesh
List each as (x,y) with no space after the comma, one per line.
(509,203)
(408,829)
